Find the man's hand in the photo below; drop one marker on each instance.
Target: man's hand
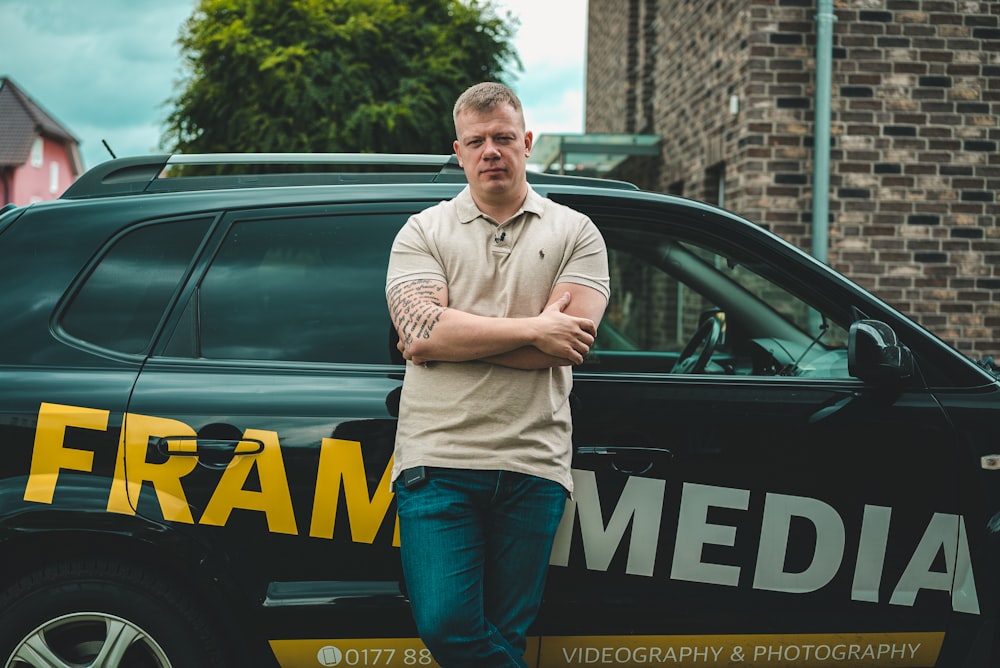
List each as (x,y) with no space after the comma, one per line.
(562,335)
(407,355)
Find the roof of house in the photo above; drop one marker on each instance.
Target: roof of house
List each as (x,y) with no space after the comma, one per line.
(21,120)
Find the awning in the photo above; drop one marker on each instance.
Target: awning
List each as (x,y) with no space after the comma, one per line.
(588,154)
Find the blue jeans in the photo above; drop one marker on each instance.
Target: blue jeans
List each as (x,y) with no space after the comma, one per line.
(475,547)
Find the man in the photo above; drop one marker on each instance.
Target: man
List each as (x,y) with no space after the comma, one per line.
(495,295)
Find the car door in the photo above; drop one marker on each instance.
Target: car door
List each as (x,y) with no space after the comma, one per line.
(263,428)
(758,504)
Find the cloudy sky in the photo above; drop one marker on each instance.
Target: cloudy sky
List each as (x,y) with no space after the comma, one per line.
(105,69)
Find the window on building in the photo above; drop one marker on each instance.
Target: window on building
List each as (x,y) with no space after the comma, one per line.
(53,177)
(715,185)
(37,152)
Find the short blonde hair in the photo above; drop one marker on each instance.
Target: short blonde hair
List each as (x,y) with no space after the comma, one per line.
(486,96)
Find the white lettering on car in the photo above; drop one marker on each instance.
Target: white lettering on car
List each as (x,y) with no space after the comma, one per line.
(946,533)
(940,536)
(871,553)
(641,502)
(828,553)
(692,523)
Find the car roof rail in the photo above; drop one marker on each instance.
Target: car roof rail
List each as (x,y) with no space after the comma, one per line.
(220,171)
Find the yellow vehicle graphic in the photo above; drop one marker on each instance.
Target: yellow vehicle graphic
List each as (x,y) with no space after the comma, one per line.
(825,650)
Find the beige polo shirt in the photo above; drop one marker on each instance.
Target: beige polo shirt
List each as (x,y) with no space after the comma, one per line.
(475,415)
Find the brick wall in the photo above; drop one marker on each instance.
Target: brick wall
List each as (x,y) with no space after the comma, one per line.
(915,152)
(608,35)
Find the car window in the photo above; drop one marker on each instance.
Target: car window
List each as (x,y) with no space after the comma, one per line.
(664,289)
(306,289)
(123,299)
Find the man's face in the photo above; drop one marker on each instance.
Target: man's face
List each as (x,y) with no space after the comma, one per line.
(493,149)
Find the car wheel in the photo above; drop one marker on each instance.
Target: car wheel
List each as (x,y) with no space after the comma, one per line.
(102,614)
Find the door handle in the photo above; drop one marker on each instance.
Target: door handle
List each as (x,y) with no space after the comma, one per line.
(628,459)
(624,450)
(192,446)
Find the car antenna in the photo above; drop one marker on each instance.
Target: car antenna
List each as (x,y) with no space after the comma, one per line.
(113,156)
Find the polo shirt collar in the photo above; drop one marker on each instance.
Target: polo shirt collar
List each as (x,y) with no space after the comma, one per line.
(467,210)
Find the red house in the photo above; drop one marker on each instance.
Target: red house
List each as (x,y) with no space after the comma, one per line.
(39,158)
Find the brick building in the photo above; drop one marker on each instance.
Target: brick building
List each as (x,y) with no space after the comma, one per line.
(729,87)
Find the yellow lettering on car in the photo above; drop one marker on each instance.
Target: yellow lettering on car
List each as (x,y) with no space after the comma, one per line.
(341,461)
(132,469)
(273,499)
(50,455)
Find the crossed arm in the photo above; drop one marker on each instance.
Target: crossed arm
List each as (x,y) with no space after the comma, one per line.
(431,331)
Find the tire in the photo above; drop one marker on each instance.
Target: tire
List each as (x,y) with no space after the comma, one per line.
(104,615)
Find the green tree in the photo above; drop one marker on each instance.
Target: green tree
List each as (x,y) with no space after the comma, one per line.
(333,75)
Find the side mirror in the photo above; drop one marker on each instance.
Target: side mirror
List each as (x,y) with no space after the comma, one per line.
(874,353)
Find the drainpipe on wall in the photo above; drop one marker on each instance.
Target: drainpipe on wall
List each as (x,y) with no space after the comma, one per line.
(821,144)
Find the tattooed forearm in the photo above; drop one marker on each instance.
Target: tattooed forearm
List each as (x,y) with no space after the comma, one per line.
(415,307)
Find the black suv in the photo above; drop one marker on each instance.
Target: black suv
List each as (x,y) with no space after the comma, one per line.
(198,390)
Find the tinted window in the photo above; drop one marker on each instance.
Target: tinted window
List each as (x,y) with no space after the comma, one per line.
(123,299)
(663,289)
(308,289)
